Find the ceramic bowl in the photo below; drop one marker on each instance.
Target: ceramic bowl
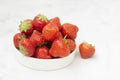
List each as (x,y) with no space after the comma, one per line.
(45,64)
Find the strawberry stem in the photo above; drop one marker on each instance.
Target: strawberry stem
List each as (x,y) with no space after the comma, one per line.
(64,38)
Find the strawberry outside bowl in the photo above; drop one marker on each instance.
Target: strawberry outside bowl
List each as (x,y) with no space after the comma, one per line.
(45,64)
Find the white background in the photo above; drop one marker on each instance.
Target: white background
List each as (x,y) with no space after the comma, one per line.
(98,22)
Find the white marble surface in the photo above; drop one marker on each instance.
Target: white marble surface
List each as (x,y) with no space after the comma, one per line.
(98,22)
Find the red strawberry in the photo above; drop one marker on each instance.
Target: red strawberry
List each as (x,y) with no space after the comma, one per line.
(17,38)
(42,53)
(70,30)
(56,21)
(37,38)
(50,31)
(71,44)
(39,22)
(59,35)
(26,47)
(59,48)
(26,27)
(86,50)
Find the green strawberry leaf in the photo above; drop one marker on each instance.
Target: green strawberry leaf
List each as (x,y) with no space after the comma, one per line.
(22,50)
(42,17)
(24,26)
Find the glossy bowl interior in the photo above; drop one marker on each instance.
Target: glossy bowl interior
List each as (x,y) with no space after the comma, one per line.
(45,64)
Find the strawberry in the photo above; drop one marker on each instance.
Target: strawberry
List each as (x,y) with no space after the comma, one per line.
(42,53)
(17,38)
(56,21)
(71,44)
(26,27)
(37,38)
(50,31)
(26,47)
(59,35)
(39,22)
(70,30)
(86,50)
(59,48)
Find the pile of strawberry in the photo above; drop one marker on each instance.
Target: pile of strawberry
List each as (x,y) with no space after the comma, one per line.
(45,38)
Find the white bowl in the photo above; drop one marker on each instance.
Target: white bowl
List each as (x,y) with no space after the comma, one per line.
(45,64)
